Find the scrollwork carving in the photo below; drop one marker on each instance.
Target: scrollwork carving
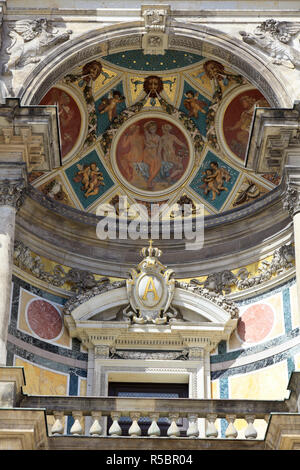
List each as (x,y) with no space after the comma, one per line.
(79,280)
(155,19)
(215,297)
(224,281)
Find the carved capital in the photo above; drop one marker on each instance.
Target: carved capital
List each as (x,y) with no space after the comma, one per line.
(196,354)
(102,352)
(291,200)
(12,193)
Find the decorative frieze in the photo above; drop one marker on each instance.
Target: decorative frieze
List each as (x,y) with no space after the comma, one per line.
(143,355)
(82,282)
(225,281)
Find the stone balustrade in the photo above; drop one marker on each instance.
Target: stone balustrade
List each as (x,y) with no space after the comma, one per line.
(144,416)
(71,422)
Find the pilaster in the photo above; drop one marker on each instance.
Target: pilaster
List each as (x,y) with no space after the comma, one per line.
(291,203)
(28,141)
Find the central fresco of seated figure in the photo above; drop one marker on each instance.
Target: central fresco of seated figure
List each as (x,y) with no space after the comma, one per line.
(152,154)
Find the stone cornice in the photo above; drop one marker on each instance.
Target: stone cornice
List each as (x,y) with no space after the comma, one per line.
(29,134)
(65,233)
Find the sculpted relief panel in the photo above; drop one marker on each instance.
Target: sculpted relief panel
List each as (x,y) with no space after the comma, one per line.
(277,39)
(29,41)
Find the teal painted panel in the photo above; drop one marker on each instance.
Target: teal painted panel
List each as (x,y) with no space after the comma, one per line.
(89,179)
(109,106)
(137,60)
(195,106)
(208,187)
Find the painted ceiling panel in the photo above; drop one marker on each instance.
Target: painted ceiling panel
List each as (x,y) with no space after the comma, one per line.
(154,128)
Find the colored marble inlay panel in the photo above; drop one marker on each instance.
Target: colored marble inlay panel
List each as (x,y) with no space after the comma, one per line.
(255,323)
(41,318)
(89,179)
(295,318)
(137,60)
(214,180)
(268,383)
(40,381)
(44,319)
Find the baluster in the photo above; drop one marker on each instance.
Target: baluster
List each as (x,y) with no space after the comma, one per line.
(58,426)
(154,430)
(211,430)
(115,429)
(96,428)
(231,432)
(76,429)
(192,430)
(173,430)
(134,430)
(250,431)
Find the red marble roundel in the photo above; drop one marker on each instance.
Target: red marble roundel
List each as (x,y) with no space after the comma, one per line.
(44,319)
(255,323)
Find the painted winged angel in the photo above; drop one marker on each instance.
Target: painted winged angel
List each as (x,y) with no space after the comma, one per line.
(29,39)
(109,104)
(273,37)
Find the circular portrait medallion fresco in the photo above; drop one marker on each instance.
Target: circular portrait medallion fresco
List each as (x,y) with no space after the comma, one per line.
(69,117)
(238,118)
(152,154)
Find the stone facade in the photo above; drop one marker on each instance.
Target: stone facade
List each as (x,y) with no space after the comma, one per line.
(76,84)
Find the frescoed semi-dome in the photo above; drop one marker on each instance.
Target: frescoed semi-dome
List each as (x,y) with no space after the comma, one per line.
(155,129)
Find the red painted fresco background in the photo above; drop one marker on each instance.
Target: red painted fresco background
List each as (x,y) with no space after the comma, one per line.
(69,117)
